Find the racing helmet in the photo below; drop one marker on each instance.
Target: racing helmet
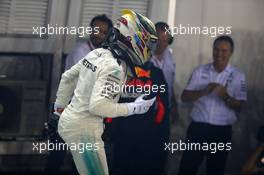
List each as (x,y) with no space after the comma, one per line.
(137,36)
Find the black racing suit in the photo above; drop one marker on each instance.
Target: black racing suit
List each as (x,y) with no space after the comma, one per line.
(139,140)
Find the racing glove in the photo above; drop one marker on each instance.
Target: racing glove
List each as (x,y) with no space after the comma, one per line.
(140,106)
(53,121)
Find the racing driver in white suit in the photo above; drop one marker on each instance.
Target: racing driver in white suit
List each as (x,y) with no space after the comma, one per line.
(96,83)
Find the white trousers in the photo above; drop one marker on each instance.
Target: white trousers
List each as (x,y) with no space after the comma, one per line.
(86,145)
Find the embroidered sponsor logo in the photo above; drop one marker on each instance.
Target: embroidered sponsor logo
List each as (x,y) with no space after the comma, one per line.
(89,65)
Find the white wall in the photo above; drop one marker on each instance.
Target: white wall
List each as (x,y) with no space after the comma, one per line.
(246,18)
(158,10)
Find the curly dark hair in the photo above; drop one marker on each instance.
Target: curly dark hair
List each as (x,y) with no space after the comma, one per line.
(102,18)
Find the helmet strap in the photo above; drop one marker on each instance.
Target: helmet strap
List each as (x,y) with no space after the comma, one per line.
(111,43)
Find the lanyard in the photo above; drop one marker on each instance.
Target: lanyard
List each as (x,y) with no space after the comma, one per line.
(158,63)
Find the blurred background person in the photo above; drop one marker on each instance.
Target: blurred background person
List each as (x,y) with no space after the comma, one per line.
(255,163)
(163,59)
(100,26)
(218,92)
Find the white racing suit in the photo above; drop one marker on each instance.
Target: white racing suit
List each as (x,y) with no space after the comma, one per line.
(81,123)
